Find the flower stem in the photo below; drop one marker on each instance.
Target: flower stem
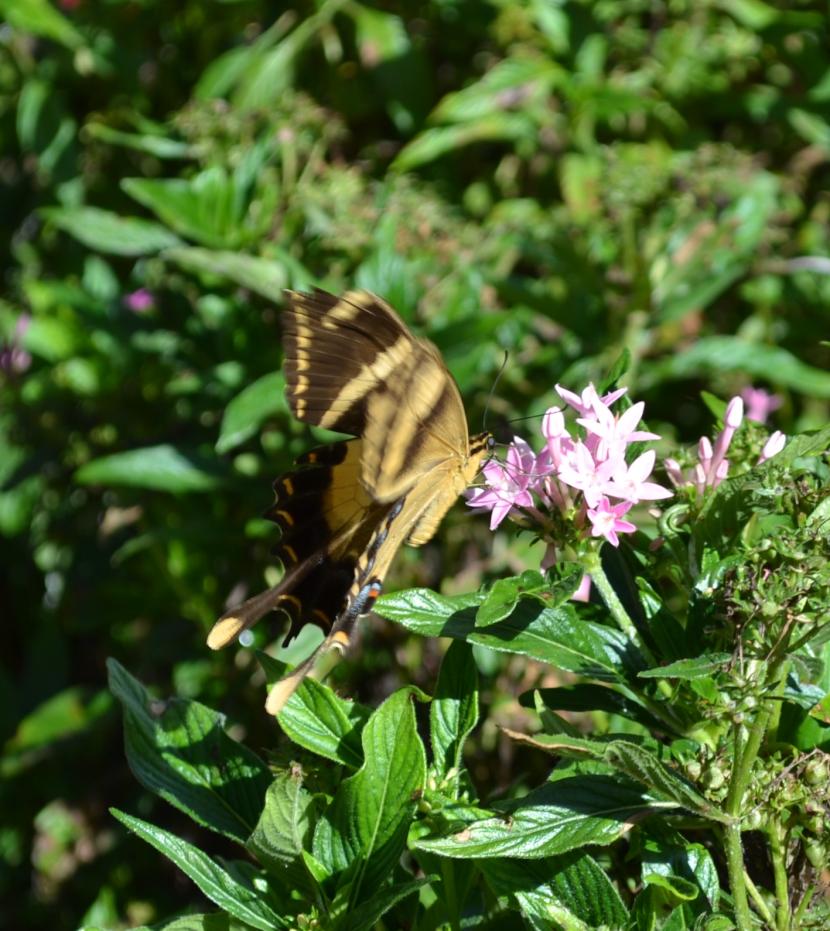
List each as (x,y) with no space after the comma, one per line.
(593,566)
(745,753)
(778,851)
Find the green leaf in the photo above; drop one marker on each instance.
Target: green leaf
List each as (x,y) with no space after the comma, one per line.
(454,710)
(368,913)
(698,262)
(319,720)
(179,750)
(669,854)
(440,140)
(59,717)
(152,144)
(701,667)
(235,893)
(713,355)
(367,823)
(54,338)
(40,18)
(268,277)
(108,232)
(162,468)
(215,921)
(504,594)
(552,635)
(586,696)
(208,208)
(284,830)
(246,413)
(639,764)
(555,818)
(571,887)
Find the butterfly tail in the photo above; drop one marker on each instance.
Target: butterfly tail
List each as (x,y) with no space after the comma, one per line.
(317,666)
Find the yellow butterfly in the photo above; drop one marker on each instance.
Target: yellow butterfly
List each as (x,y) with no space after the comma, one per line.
(352,365)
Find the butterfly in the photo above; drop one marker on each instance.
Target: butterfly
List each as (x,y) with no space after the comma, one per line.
(352,365)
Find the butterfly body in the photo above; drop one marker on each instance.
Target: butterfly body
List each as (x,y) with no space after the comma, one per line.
(352,365)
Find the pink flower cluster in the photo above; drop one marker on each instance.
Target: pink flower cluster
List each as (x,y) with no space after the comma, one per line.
(579,477)
(712,466)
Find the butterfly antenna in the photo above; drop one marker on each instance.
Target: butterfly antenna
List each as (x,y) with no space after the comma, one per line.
(500,372)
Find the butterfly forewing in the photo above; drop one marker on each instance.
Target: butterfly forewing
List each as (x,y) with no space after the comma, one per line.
(337,352)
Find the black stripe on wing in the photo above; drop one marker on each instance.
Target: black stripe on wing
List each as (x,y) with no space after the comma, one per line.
(330,345)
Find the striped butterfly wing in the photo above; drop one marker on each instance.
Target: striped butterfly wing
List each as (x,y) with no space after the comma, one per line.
(352,365)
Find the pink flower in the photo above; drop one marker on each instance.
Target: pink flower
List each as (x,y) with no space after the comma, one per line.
(606,521)
(583,593)
(13,357)
(507,483)
(732,419)
(629,481)
(760,403)
(581,470)
(139,301)
(615,433)
(773,446)
(584,404)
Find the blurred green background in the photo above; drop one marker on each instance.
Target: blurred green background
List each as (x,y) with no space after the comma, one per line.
(558,179)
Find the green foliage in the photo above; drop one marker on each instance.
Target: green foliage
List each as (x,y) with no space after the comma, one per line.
(577,184)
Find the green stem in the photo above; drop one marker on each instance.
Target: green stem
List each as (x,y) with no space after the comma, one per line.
(778,850)
(593,566)
(758,899)
(733,844)
(745,754)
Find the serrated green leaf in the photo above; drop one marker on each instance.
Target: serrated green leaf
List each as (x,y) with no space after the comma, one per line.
(639,764)
(573,882)
(504,594)
(246,413)
(368,913)
(365,827)
(233,893)
(284,830)
(267,277)
(700,667)
(179,750)
(111,233)
(454,709)
(319,720)
(215,921)
(554,819)
(668,853)
(552,635)
(586,696)
(162,468)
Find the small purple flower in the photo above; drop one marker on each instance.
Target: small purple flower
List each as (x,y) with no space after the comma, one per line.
(629,482)
(507,483)
(13,357)
(760,403)
(773,446)
(732,419)
(139,301)
(606,520)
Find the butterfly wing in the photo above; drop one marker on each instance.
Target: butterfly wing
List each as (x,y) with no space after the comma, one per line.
(338,352)
(327,521)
